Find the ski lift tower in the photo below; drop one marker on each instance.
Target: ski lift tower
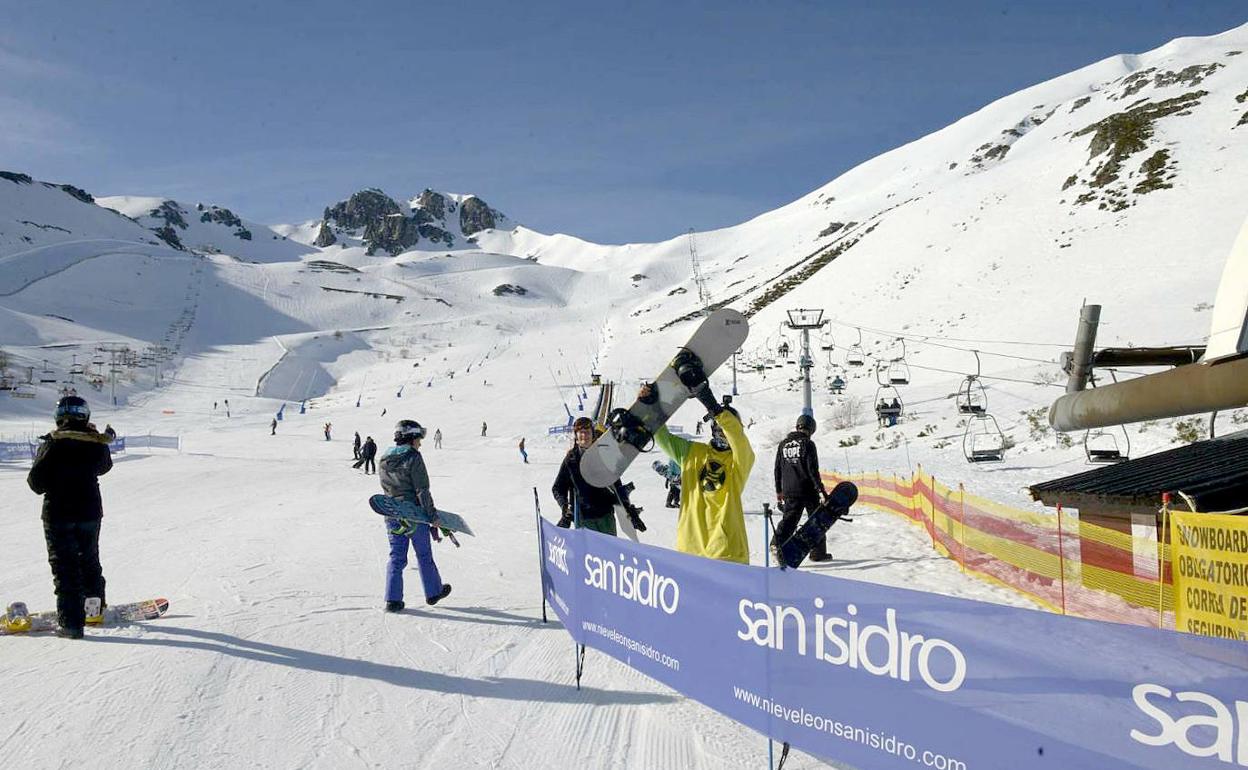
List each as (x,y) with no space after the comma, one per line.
(704,295)
(803,320)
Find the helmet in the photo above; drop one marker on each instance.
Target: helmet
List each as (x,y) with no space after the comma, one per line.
(72,409)
(407,430)
(806,423)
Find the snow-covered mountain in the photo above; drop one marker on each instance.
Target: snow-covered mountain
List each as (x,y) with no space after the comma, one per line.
(1119,183)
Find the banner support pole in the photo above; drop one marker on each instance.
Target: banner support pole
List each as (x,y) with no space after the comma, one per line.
(541,550)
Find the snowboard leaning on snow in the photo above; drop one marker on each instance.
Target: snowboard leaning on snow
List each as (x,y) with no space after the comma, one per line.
(409,513)
(149,609)
(722,333)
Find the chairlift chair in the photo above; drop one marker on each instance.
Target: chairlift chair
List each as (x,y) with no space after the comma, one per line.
(898,369)
(6,383)
(886,407)
(46,375)
(837,385)
(1101,446)
(983,441)
(972,397)
(22,390)
(855,356)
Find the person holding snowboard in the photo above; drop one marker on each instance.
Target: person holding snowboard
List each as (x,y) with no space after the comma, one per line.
(799,487)
(66,472)
(712,478)
(575,495)
(355,447)
(403,476)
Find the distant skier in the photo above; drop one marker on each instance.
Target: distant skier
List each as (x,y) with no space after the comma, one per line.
(523,454)
(214,406)
(273,427)
(596,505)
(403,476)
(367,452)
(437,439)
(328,427)
(713,476)
(483,428)
(799,488)
(355,447)
(66,471)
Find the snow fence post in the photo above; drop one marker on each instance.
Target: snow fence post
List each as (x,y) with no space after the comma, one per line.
(541,551)
(962,523)
(1061,557)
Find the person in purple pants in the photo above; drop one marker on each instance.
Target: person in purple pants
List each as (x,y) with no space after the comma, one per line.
(403,476)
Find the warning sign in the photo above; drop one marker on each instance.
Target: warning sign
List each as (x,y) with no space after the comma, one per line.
(1209,559)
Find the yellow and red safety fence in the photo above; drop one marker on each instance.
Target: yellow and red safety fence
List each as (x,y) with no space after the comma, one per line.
(1063,564)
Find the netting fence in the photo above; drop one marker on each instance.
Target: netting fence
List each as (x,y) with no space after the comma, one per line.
(1063,564)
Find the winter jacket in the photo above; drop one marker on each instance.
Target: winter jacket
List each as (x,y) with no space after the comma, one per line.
(369,450)
(403,475)
(595,502)
(797,468)
(66,471)
(712,521)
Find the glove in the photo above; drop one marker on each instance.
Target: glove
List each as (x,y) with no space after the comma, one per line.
(634,518)
(565,520)
(436,534)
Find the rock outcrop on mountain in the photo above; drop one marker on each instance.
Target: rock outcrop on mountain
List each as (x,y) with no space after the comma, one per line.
(475,216)
(383,226)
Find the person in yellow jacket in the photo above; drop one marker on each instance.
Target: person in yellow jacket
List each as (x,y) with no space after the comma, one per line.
(712,479)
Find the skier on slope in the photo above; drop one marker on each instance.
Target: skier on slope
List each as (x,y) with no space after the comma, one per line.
(713,476)
(595,505)
(799,488)
(66,472)
(403,476)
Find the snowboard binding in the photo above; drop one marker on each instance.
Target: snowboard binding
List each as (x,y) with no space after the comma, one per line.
(16,618)
(689,370)
(626,428)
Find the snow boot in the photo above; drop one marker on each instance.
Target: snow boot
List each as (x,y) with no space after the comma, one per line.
(395,606)
(821,557)
(446,591)
(69,633)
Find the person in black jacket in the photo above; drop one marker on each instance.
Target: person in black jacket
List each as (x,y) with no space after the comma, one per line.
(596,505)
(799,487)
(66,472)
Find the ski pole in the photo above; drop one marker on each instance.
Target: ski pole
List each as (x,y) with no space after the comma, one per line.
(541,551)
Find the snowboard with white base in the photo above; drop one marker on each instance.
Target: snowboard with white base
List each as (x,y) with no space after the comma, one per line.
(630,431)
(42,622)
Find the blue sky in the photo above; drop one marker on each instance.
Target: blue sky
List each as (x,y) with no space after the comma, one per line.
(616,122)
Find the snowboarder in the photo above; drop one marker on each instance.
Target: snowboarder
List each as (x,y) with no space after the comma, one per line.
(214,406)
(482,428)
(273,427)
(66,471)
(712,520)
(799,488)
(403,475)
(595,505)
(670,472)
(328,427)
(355,447)
(437,439)
(523,454)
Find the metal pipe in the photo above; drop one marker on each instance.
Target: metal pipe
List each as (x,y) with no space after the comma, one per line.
(1185,390)
(1085,341)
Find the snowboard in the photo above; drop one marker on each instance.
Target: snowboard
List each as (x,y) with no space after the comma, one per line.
(813,531)
(410,514)
(150,609)
(631,431)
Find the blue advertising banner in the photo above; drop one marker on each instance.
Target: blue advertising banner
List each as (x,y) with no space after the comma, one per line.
(16,452)
(117,445)
(885,677)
